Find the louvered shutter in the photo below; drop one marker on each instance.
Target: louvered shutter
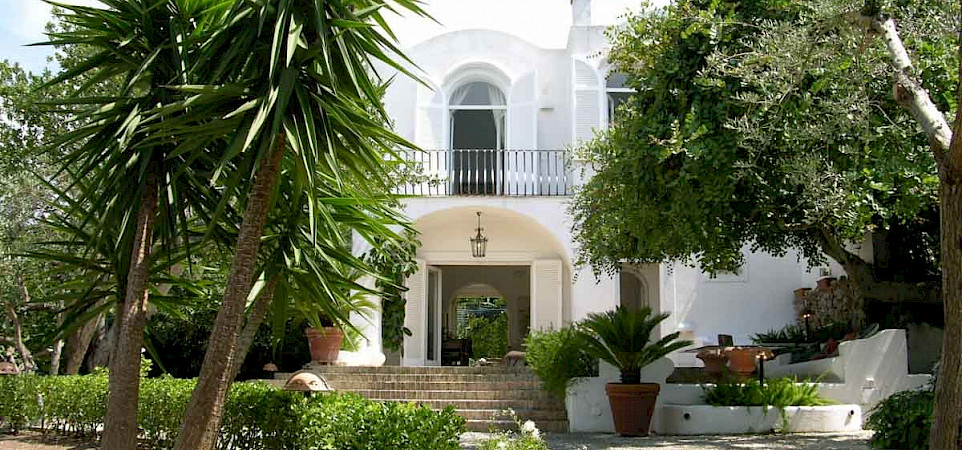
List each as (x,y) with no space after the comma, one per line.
(522,137)
(546,294)
(414,315)
(589,102)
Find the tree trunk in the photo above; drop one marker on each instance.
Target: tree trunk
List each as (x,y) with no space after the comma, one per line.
(77,344)
(258,311)
(120,429)
(105,344)
(946,433)
(859,272)
(28,364)
(202,421)
(57,346)
(946,146)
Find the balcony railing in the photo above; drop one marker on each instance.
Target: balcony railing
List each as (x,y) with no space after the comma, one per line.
(486,172)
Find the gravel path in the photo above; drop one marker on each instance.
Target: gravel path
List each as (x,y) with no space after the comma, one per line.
(576,441)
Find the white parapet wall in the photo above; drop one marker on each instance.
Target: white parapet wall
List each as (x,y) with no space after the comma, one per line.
(865,372)
(705,419)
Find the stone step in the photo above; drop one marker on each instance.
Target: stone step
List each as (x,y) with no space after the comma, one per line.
(420,370)
(523,414)
(418,395)
(552,426)
(334,378)
(353,384)
(483,404)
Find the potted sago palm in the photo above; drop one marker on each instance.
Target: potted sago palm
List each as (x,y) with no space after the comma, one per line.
(622,338)
(328,319)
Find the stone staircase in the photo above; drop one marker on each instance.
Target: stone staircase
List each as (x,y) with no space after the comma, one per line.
(478,394)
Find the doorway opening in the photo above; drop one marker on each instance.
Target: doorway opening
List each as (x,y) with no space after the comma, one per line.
(485,311)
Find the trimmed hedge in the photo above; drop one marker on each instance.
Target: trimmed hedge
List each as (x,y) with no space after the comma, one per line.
(256,417)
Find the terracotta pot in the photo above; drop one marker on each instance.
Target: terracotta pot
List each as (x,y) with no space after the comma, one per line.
(325,344)
(742,360)
(632,406)
(825,283)
(714,362)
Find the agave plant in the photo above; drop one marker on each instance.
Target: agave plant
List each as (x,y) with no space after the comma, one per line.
(622,338)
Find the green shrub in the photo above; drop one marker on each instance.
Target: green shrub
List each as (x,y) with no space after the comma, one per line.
(256,416)
(489,335)
(18,401)
(779,393)
(903,420)
(350,422)
(557,357)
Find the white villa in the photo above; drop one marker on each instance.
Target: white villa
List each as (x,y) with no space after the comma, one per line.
(503,105)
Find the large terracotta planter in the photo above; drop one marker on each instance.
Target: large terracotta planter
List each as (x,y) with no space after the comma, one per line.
(632,406)
(325,344)
(715,362)
(743,361)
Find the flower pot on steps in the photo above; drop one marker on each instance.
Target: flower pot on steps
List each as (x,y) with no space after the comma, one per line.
(325,344)
(632,406)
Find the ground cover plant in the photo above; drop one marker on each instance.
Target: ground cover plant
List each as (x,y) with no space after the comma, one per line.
(904,420)
(778,393)
(257,416)
(527,437)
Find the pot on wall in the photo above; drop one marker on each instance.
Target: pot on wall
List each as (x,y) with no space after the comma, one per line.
(715,362)
(632,406)
(325,344)
(744,360)
(825,283)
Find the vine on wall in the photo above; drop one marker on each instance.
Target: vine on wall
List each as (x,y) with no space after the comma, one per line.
(395,262)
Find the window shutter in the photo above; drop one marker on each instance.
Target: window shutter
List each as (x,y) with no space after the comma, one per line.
(520,163)
(546,294)
(429,126)
(588,99)
(414,315)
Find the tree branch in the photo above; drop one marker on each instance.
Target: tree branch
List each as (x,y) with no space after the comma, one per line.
(910,94)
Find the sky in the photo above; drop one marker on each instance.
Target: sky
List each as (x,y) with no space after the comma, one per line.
(542,22)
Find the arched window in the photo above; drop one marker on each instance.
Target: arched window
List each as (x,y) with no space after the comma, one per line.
(477,116)
(633,290)
(617,92)
(478,112)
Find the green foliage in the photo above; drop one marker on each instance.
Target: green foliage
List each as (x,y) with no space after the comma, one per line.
(489,335)
(903,420)
(352,422)
(796,334)
(257,416)
(394,262)
(557,357)
(778,393)
(622,338)
(766,124)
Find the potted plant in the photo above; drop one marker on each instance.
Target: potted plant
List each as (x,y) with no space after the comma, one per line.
(622,338)
(329,327)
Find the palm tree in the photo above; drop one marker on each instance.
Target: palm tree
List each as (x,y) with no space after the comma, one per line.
(297,85)
(128,178)
(218,92)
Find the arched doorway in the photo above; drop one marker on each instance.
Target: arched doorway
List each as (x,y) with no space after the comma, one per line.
(478,120)
(633,289)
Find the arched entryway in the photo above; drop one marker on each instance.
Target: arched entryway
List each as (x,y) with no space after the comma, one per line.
(524,264)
